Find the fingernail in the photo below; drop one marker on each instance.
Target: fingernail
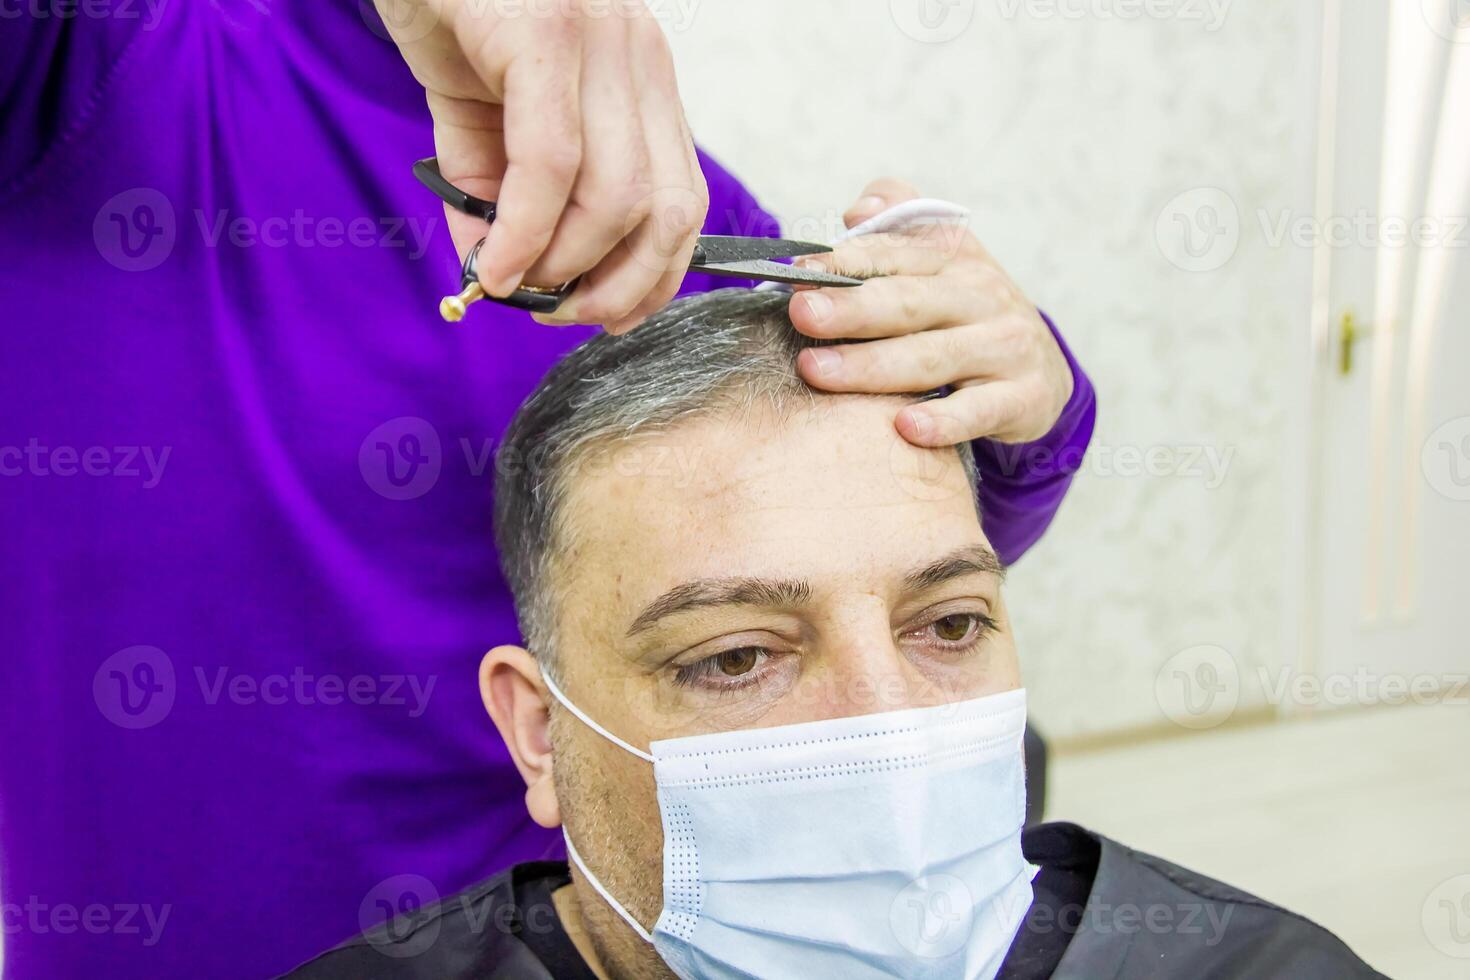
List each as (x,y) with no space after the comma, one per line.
(504,286)
(825,360)
(810,262)
(870,204)
(920,423)
(818,306)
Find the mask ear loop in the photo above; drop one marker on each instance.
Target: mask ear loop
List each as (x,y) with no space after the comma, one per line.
(613,903)
(606,895)
(566,702)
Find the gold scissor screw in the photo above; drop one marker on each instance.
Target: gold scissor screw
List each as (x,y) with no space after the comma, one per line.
(452,308)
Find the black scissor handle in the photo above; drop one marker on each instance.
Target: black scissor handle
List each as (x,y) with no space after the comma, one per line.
(536,299)
(428,174)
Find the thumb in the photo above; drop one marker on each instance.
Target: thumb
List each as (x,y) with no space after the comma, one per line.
(877,197)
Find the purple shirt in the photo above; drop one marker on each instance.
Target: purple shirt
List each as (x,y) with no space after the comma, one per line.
(244,495)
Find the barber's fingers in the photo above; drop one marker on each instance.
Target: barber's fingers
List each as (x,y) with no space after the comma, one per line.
(895,306)
(611,195)
(470,145)
(878,196)
(918,253)
(679,204)
(664,289)
(680,213)
(625,288)
(915,280)
(543,149)
(917,362)
(987,410)
(610,292)
(644,271)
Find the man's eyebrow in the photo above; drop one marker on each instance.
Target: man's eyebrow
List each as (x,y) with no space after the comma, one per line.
(721,592)
(964,561)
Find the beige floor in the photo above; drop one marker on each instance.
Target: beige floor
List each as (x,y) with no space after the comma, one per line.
(1358,819)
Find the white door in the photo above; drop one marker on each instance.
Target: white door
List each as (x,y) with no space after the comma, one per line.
(1385,541)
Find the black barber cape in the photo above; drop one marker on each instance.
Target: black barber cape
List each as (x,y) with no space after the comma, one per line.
(1101,911)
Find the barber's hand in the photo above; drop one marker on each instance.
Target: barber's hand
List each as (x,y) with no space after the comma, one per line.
(944,314)
(571,122)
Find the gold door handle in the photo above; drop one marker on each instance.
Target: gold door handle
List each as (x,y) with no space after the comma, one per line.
(1348,334)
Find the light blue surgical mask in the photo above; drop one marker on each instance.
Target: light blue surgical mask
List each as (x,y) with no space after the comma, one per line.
(881,845)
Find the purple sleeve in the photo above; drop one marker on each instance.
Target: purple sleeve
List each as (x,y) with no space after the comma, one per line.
(1022,484)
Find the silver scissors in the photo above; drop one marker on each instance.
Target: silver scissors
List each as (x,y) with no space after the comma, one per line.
(735,256)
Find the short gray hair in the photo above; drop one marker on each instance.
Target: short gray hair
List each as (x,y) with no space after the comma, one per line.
(724,349)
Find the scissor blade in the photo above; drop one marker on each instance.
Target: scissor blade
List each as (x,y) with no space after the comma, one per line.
(777,272)
(738,248)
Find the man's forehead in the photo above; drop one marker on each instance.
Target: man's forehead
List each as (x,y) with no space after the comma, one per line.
(760,493)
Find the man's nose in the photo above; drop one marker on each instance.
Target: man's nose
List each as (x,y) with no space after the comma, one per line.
(865,672)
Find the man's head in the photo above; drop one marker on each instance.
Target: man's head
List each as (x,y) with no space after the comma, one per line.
(698,542)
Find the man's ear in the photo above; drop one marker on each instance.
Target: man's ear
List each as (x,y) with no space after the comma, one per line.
(510,686)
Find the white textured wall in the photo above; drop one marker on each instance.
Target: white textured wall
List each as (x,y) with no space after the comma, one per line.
(1068,128)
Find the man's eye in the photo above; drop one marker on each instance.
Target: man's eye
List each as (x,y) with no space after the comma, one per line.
(954,628)
(957,629)
(727,669)
(733,663)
